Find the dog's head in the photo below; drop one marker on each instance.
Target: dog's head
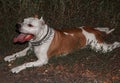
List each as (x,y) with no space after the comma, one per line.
(29,28)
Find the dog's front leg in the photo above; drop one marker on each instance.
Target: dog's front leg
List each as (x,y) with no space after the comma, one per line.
(27,65)
(42,60)
(16,55)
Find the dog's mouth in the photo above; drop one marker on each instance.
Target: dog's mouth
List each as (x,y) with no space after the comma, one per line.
(23,38)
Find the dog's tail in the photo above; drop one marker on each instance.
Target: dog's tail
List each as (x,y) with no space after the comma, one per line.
(106,30)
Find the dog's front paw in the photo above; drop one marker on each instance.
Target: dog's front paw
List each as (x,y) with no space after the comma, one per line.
(9,58)
(17,69)
(117,44)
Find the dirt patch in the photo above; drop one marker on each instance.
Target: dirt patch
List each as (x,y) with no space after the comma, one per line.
(77,67)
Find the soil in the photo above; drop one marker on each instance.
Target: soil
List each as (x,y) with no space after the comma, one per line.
(82,66)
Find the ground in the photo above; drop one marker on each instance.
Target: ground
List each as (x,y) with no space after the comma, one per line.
(82,66)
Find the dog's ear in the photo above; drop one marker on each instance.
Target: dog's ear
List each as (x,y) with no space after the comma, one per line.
(42,21)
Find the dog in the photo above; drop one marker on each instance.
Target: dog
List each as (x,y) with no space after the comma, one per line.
(47,42)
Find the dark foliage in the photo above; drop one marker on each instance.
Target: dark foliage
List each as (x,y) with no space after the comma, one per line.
(84,66)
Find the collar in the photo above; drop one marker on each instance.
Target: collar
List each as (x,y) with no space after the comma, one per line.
(44,39)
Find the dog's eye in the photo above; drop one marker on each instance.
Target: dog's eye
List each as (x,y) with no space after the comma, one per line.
(30,25)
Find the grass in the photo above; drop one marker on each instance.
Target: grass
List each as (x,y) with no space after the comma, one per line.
(64,14)
(57,13)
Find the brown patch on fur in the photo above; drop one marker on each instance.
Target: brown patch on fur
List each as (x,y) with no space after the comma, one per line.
(98,34)
(65,43)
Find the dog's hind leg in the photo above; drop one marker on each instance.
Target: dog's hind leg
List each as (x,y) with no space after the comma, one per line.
(104,47)
(106,30)
(110,47)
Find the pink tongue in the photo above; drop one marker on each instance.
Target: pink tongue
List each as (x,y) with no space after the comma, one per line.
(23,37)
(19,38)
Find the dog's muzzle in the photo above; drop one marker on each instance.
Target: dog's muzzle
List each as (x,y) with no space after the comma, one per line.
(22,37)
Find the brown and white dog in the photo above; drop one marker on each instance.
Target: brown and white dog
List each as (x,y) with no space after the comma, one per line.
(47,42)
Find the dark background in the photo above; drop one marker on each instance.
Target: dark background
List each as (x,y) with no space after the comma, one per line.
(94,67)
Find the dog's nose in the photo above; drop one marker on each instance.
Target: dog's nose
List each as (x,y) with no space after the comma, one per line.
(18,25)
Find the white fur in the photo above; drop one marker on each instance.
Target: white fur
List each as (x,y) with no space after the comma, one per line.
(41,54)
(68,34)
(16,55)
(71,34)
(39,30)
(106,30)
(103,47)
